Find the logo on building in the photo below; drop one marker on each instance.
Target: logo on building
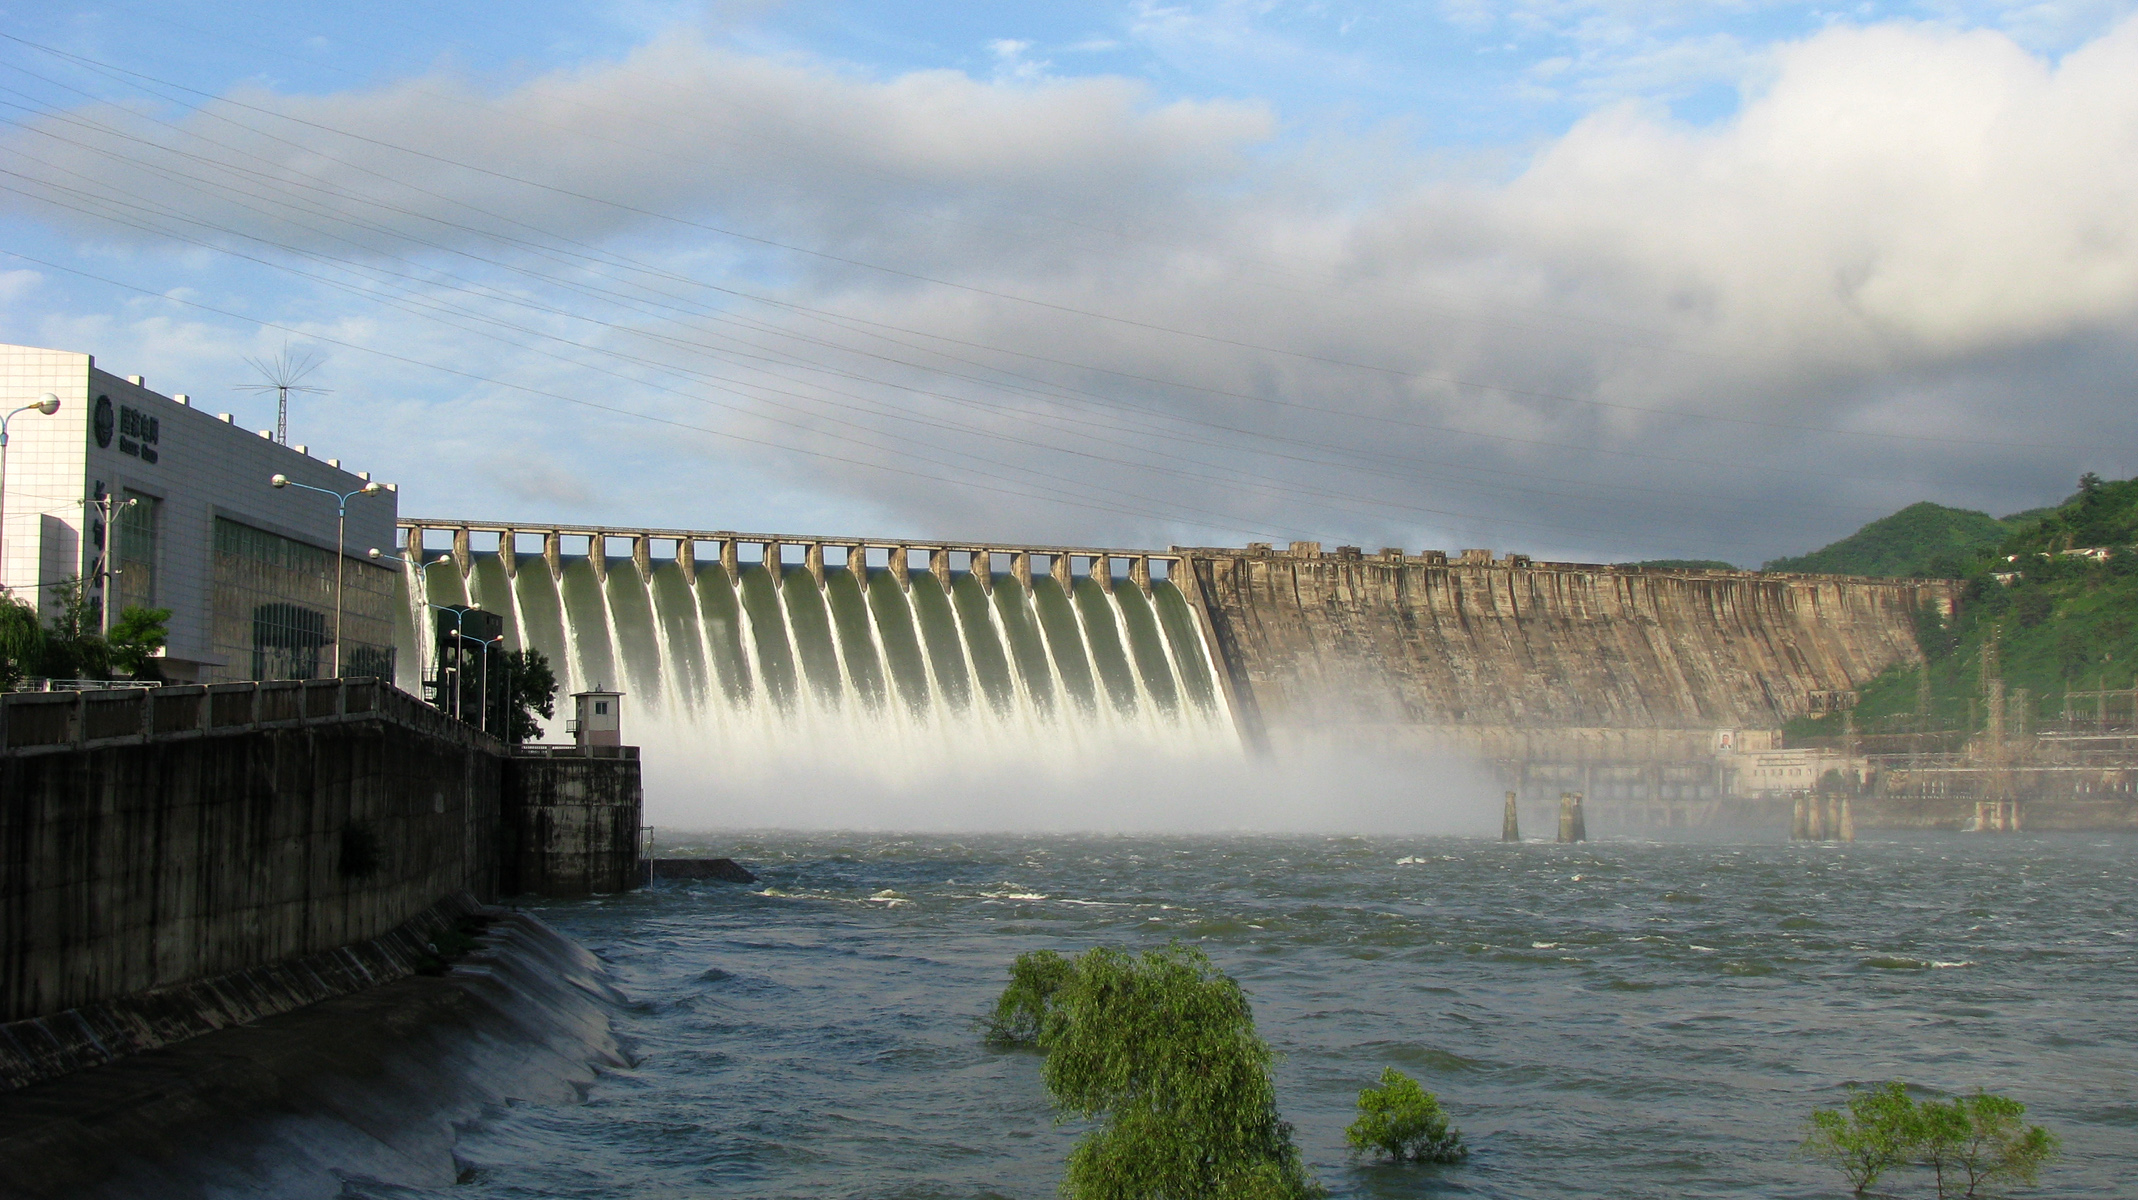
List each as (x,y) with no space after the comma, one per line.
(103,422)
(138,433)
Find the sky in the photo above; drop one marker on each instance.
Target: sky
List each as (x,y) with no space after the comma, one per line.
(1593,280)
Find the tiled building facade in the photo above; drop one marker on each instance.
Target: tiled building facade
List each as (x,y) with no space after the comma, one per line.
(247,570)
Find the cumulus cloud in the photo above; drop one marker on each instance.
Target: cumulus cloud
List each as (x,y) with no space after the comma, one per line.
(1057,308)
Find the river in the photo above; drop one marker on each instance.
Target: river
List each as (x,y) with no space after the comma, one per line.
(1621,1018)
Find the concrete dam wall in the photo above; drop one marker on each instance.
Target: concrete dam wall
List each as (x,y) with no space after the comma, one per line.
(759,645)
(1526,661)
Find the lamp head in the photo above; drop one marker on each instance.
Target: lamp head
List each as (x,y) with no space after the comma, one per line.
(280,481)
(372,553)
(47,404)
(372,489)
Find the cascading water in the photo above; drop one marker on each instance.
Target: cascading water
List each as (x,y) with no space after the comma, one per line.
(768,698)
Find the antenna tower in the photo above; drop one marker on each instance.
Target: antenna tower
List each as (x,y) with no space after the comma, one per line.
(282,375)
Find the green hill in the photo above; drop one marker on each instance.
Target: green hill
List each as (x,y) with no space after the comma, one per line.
(1921,539)
(2062,621)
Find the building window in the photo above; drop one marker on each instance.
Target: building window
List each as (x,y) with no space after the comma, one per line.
(601,708)
(274,609)
(134,550)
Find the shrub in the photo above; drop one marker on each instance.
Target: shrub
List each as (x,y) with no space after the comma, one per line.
(1161,1050)
(1405,1122)
(1872,1135)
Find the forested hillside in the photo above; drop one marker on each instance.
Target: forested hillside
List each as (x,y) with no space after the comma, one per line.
(1921,539)
(2064,620)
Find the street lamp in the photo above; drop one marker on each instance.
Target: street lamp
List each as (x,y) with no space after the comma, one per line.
(108,508)
(460,616)
(341,520)
(46,404)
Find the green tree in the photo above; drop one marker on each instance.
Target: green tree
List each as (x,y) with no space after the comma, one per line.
(524,688)
(22,642)
(1875,1132)
(1974,1144)
(73,649)
(135,638)
(1036,978)
(1405,1122)
(1161,1050)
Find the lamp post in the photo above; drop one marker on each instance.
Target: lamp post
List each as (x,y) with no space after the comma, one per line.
(46,404)
(460,616)
(108,508)
(341,520)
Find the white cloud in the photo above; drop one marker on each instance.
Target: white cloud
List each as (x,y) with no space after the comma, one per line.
(1906,230)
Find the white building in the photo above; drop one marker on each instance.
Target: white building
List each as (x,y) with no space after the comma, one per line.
(246,569)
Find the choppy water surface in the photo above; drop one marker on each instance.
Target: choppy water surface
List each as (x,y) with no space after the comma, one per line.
(1617,1019)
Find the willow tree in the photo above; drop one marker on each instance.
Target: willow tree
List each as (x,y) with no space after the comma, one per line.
(1160,1051)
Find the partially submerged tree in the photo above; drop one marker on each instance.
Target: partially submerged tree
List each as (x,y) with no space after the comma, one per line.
(1159,1049)
(1972,1144)
(1405,1122)
(1874,1133)
(1975,1144)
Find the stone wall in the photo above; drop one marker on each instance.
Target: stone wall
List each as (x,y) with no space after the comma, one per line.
(571,820)
(170,835)
(1513,659)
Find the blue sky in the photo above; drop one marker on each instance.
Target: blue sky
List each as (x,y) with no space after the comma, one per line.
(1614,278)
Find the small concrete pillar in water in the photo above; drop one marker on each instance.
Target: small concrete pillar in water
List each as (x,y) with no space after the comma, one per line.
(939,566)
(1847,830)
(983,569)
(1833,818)
(642,557)
(1800,826)
(553,554)
(1566,816)
(1102,570)
(1510,824)
(1581,820)
(813,562)
(1060,570)
(731,558)
(2012,822)
(1815,828)
(1021,568)
(1139,572)
(901,567)
(772,562)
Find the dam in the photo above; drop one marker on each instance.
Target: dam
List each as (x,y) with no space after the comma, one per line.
(749,650)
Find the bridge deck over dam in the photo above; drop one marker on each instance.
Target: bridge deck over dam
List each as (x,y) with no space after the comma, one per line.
(1508,658)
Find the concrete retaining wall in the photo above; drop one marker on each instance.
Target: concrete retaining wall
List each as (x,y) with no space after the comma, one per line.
(153,838)
(571,820)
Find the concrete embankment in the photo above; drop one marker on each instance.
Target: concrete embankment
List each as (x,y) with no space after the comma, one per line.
(177,861)
(367,1085)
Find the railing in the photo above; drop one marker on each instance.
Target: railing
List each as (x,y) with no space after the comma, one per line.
(84,685)
(572,750)
(54,721)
